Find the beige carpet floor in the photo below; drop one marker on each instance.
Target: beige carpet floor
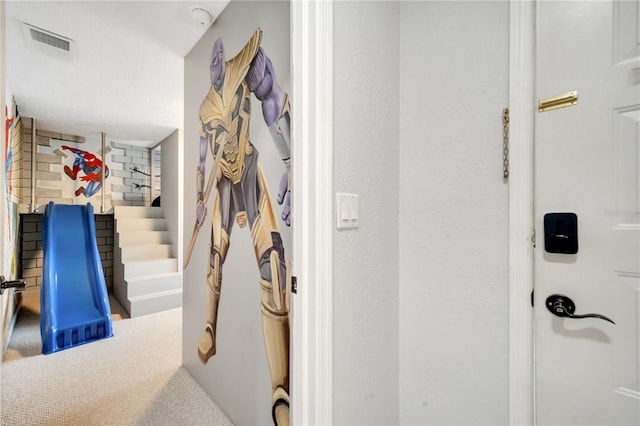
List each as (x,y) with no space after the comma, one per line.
(132,378)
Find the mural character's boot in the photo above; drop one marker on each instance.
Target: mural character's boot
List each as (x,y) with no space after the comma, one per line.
(218,252)
(207,343)
(79,191)
(281,410)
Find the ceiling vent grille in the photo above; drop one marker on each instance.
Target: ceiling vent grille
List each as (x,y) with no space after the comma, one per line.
(49,39)
(48,42)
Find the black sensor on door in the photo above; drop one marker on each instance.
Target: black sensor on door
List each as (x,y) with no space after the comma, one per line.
(561,233)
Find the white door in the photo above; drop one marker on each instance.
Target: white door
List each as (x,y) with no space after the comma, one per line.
(587,162)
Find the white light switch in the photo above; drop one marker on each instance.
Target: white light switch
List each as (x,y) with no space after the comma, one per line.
(347,214)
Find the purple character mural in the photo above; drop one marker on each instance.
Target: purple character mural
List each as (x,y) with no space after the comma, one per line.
(241,195)
(91,166)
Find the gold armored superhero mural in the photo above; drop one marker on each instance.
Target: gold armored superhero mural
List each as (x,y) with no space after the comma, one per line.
(235,190)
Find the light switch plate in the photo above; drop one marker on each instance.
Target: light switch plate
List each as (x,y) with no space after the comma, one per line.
(347,211)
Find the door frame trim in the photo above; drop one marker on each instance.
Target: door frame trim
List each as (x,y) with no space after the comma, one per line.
(521,223)
(312,209)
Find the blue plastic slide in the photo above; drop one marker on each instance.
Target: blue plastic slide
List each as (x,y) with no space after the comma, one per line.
(74,304)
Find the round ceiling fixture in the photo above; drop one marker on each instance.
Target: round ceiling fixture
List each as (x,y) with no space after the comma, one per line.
(201,16)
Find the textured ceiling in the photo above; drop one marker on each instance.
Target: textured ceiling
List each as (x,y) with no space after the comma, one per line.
(127,76)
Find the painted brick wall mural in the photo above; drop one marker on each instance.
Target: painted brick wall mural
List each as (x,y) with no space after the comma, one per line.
(68,170)
(31,247)
(131,167)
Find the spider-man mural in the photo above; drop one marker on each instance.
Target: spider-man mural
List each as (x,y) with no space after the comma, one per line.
(91,166)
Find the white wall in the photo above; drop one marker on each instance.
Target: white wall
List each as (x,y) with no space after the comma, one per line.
(237,377)
(453,213)
(366,87)
(172,192)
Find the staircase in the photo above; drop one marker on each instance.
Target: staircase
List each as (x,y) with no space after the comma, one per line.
(145,275)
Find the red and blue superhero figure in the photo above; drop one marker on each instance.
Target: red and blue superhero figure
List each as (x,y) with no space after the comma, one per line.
(92,168)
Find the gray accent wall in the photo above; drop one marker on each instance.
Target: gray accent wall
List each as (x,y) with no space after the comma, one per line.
(453,213)
(421,288)
(366,132)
